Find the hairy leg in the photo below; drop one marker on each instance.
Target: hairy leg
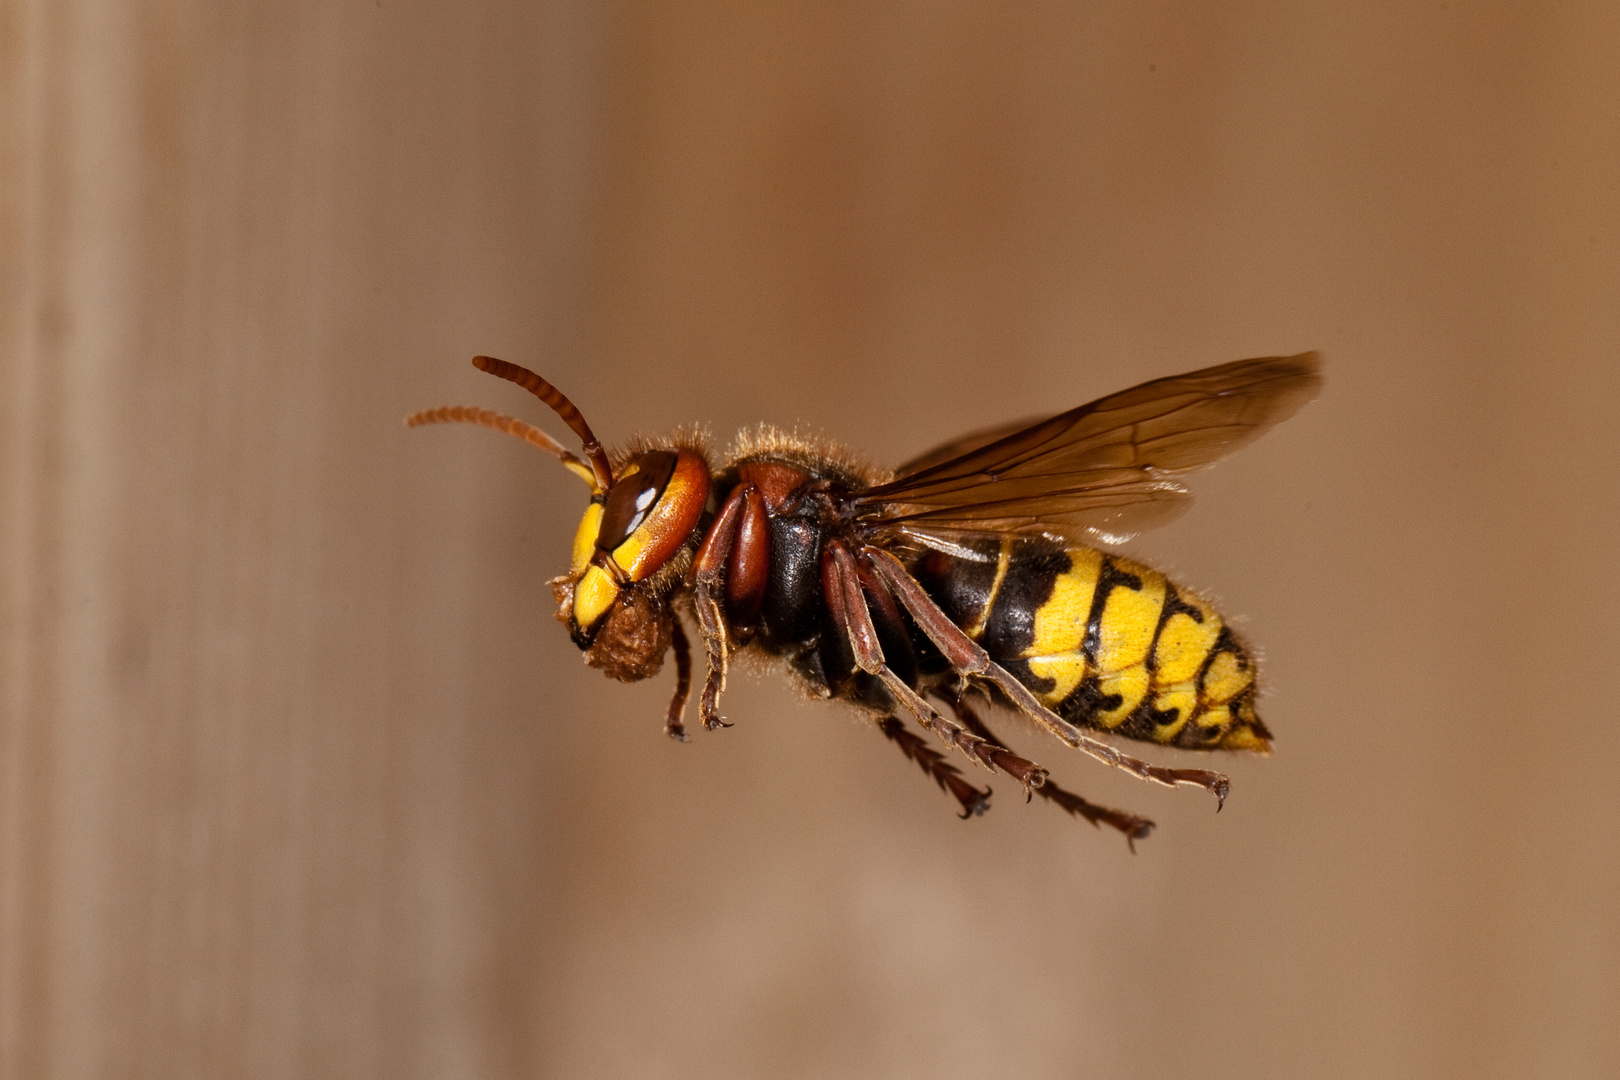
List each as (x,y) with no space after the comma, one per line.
(848,606)
(970,660)
(673,726)
(705,577)
(974,802)
(1134,827)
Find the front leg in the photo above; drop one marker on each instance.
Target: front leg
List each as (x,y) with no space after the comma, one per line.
(706,578)
(673,725)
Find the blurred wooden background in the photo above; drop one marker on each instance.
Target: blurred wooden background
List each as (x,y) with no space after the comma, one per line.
(298,777)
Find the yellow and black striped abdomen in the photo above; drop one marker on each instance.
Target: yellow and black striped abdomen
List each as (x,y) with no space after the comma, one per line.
(1105,642)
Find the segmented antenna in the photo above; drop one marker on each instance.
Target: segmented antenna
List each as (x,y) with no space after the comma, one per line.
(467,414)
(560,404)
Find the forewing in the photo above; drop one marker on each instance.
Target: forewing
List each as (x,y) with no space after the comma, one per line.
(1105,469)
(964,444)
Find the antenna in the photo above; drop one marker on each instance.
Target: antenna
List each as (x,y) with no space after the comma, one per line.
(468,414)
(560,404)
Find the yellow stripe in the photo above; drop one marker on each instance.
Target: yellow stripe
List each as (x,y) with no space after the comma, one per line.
(1184,700)
(585,538)
(976,628)
(593,595)
(1131,684)
(1129,619)
(1225,678)
(1065,669)
(1243,738)
(1183,643)
(1060,623)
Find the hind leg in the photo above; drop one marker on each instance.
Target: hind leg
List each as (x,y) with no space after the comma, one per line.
(1135,828)
(933,764)
(847,604)
(970,661)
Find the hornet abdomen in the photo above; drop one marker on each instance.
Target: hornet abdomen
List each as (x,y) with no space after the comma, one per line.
(1105,642)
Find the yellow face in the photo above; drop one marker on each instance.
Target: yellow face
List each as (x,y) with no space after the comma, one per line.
(644,520)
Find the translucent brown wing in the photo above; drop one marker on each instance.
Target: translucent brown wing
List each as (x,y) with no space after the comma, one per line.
(964,444)
(1105,469)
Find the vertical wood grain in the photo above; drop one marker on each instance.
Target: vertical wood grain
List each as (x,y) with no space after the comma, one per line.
(299,778)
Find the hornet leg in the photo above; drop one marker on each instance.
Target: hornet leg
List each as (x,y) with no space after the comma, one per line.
(974,802)
(842,588)
(968,659)
(673,727)
(705,576)
(1135,828)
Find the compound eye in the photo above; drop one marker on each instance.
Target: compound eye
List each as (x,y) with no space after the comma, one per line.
(634,493)
(650,513)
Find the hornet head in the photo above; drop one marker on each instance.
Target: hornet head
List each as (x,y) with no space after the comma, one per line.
(632,545)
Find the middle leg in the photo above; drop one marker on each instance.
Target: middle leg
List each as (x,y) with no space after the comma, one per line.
(969,660)
(847,604)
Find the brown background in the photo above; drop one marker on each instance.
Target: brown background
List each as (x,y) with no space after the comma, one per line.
(301,780)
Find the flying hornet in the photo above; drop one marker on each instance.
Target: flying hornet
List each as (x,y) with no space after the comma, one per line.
(968,574)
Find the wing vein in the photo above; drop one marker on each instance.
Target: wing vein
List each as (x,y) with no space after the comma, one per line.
(1103,468)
